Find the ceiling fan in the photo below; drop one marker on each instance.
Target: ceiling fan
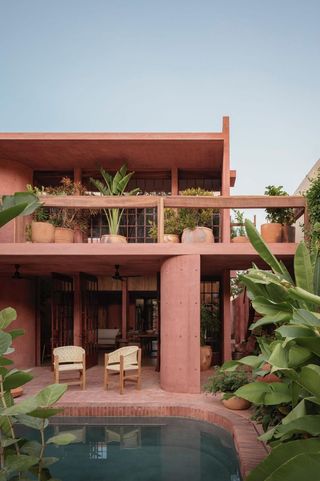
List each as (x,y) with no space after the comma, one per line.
(117,276)
(17,274)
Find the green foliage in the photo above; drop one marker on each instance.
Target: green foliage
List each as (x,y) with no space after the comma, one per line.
(192,218)
(20,203)
(19,458)
(172,224)
(114,185)
(313,203)
(239,230)
(284,216)
(64,217)
(209,323)
(290,310)
(226,381)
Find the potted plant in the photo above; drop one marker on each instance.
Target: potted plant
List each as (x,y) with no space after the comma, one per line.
(238,232)
(196,223)
(41,229)
(279,227)
(114,185)
(228,382)
(172,228)
(68,220)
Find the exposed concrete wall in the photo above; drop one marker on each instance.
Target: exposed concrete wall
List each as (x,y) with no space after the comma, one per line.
(20,294)
(13,178)
(180,324)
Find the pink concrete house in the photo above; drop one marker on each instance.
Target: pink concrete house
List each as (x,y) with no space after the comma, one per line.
(66,293)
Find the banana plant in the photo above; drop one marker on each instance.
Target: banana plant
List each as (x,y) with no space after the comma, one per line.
(20,203)
(114,185)
(289,305)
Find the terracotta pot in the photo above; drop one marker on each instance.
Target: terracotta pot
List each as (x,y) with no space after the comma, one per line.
(236,403)
(172,238)
(271,232)
(113,239)
(240,239)
(16,392)
(198,235)
(268,378)
(42,232)
(288,233)
(63,235)
(205,357)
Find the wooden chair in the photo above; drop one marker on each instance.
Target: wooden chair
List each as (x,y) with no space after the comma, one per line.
(123,360)
(70,358)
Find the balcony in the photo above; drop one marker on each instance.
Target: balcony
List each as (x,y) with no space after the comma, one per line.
(146,257)
(141,210)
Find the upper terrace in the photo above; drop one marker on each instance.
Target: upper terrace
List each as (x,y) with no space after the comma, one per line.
(87,256)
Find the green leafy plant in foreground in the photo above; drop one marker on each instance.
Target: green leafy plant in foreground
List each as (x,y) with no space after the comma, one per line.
(290,307)
(21,459)
(20,203)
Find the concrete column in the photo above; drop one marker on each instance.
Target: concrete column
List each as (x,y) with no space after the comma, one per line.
(226,309)
(20,294)
(13,178)
(180,324)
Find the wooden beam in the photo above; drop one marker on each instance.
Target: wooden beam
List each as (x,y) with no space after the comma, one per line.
(235,201)
(174,181)
(124,309)
(175,201)
(160,215)
(100,202)
(77,311)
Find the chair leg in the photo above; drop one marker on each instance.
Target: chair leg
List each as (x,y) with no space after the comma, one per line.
(122,373)
(106,379)
(84,379)
(121,381)
(56,376)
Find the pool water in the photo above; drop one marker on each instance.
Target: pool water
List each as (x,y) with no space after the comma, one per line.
(137,449)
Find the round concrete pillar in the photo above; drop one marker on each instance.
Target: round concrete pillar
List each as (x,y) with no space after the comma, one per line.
(180,324)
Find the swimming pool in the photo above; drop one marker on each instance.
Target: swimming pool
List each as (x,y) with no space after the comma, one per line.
(140,449)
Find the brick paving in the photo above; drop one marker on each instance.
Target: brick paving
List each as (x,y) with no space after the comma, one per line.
(151,400)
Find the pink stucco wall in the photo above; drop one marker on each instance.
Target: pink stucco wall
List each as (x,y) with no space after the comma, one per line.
(13,178)
(20,295)
(180,324)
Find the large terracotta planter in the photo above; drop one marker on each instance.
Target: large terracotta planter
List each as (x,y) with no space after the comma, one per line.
(42,232)
(205,357)
(271,232)
(113,239)
(288,233)
(16,392)
(240,239)
(236,403)
(171,238)
(202,235)
(63,235)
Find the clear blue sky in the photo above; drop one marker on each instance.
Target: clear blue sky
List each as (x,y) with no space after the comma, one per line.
(134,65)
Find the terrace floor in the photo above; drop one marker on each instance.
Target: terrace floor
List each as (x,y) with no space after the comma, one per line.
(151,400)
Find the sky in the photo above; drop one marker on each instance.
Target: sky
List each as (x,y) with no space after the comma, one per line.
(171,65)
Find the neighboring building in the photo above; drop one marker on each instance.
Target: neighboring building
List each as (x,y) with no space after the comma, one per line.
(66,291)
(301,189)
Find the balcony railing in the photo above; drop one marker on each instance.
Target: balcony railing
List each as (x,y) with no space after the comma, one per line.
(157,204)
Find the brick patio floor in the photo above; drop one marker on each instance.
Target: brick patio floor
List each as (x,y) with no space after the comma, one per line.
(151,400)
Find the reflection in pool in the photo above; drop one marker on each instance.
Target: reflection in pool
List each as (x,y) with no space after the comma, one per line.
(139,449)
